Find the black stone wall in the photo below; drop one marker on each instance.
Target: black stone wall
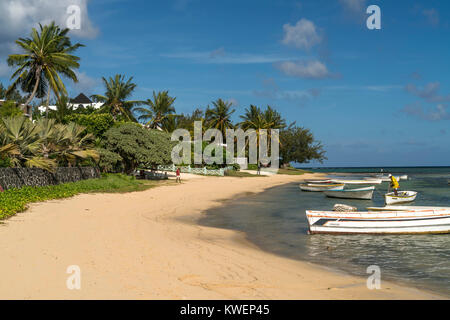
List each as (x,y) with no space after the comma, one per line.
(19,177)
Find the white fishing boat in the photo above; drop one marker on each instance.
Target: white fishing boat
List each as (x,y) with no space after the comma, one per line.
(318,181)
(320,187)
(360,193)
(405,208)
(401,197)
(363,181)
(385,222)
(388,178)
(404,177)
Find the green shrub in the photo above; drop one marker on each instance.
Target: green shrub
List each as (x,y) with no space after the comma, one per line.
(16,200)
(10,109)
(5,162)
(236,166)
(138,147)
(241,174)
(97,124)
(109,161)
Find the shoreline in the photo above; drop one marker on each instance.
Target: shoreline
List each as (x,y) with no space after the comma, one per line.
(148,245)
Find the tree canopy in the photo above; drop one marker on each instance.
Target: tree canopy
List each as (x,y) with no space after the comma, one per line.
(47,55)
(138,146)
(159,112)
(116,98)
(297,144)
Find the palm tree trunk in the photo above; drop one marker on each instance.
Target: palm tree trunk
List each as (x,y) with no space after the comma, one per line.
(47,103)
(36,85)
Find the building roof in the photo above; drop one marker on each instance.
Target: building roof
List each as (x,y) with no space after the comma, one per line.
(81,99)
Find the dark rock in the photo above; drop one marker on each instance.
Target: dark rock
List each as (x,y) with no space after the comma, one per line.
(19,177)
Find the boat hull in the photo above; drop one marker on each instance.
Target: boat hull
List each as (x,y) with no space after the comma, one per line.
(392,222)
(320,188)
(357,182)
(402,197)
(405,208)
(360,194)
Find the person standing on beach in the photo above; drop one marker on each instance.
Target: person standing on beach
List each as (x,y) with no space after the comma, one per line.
(394,185)
(259,168)
(178,175)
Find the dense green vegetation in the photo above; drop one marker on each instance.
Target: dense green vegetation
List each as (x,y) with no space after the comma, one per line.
(10,109)
(138,146)
(44,143)
(292,171)
(115,100)
(123,134)
(16,200)
(97,124)
(241,174)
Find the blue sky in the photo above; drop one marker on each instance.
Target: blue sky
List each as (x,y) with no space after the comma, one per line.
(373,97)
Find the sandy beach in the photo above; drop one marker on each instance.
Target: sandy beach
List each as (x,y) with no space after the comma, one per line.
(147,245)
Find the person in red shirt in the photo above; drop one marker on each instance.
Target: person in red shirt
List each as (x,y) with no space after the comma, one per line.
(178,175)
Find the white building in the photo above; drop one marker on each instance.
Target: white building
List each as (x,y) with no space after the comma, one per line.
(81,101)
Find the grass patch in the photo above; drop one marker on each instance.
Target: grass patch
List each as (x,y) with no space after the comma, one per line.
(16,200)
(292,171)
(240,174)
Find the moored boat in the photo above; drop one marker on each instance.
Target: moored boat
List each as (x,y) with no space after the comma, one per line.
(360,193)
(388,178)
(386,222)
(318,181)
(363,181)
(320,187)
(405,208)
(401,197)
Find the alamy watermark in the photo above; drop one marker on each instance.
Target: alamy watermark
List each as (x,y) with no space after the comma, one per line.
(73,282)
(374,280)
(256,142)
(374,20)
(73,21)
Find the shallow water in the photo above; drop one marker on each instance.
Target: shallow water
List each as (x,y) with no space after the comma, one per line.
(275,221)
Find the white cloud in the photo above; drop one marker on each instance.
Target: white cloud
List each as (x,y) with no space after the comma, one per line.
(432,15)
(220,56)
(85,83)
(437,113)
(19,16)
(299,97)
(430,92)
(354,5)
(220,52)
(312,69)
(233,101)
(302,35)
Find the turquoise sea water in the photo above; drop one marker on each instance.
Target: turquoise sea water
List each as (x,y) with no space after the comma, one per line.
(275,221)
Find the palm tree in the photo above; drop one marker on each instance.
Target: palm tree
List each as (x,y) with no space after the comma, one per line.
(258,120)
(159,112)
(219,117)
(273,119)
(65,143)
(21,142)
(115,99)
(253,118)
(47,55)
(75,145)
(63,108)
